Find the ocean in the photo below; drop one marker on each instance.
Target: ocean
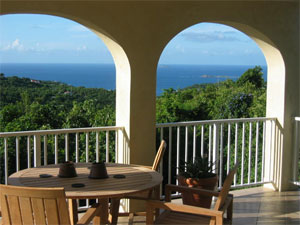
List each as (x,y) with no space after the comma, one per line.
(103,75)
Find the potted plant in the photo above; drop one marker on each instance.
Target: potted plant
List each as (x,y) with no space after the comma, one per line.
(197,174)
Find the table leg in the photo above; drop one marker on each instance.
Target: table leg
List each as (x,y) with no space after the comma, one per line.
(102,218)
(114,210)
(73,211)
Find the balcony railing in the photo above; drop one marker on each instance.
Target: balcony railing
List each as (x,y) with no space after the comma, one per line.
(42,147)
(255,143)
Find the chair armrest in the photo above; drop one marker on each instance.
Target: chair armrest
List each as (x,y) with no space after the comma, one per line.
(153,204)
(227,202)
(228,206)
(172,187)
(148,167)
(90,214)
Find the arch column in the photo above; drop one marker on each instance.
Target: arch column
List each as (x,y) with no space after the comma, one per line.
(135,110)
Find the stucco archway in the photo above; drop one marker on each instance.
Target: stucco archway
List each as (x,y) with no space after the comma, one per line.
(276,88)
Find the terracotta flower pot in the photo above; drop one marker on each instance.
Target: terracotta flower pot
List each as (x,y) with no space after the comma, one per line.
(67,170)
(98,171)
(203,183)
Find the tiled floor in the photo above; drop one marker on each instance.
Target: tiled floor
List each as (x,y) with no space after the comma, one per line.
(262,206)
(258,206)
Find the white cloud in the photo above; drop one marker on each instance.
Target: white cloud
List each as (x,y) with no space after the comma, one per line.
(15,45)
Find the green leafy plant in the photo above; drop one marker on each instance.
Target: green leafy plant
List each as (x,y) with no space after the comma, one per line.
(199,168)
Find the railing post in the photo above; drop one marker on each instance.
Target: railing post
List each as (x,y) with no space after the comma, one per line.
(55,148)
(170,156)
(215,159)
(67,147)
(17,153)
(186,144)
(77,147)
(269,155)
(45,150)
(107,147)
(97,147)
(5,161)
(221,156)
(177,152)
(37,150)
(116,145)
(28,152)
(236,149)
(202,140)
(194,142)
(87,139)
(228,147)
(209,144)
(250,153)
(123,147)
(243,154)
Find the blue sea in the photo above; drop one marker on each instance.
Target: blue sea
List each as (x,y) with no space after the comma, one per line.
(103,75)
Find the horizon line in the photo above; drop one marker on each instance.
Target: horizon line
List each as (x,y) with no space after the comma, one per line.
(159,64)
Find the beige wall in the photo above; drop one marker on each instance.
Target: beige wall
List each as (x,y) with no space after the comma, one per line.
(136,32)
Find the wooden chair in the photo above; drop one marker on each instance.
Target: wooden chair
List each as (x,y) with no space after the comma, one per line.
(153,193)
(186,214)
(28,205)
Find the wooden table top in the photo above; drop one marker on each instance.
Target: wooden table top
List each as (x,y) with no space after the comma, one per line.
(137,179)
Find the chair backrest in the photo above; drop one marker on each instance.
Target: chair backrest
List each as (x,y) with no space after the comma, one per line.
(26,205)
(226,187)
(159,155)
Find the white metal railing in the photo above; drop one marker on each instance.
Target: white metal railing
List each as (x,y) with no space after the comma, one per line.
(254,143)
(86,145)
(296,156)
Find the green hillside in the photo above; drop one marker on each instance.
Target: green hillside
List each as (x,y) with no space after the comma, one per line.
(27,104)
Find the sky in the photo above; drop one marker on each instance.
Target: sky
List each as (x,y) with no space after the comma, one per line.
(49,39)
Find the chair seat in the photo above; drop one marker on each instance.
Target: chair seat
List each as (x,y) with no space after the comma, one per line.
(173,217)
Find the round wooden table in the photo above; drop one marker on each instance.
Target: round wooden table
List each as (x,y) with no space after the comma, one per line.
(137,179)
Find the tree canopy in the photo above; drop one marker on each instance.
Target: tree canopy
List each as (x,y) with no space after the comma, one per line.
(243,98)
